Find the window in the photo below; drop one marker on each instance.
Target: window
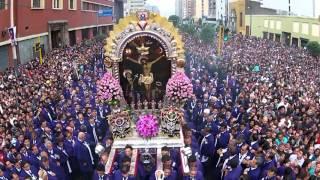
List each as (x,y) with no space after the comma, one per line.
(241,19)
(305,29)
(72,4)
(315,30)
(85,6)
(278,25)
(95,7)
(3,4)
(57,4)
(266,23)
(271,24)
(37,4)
(295,27)
(85,34)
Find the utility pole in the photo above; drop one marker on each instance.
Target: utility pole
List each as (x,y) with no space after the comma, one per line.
(289,7)
(13,45)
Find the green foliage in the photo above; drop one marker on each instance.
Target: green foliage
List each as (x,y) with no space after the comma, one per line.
(87,42)
(175,20)
(207,33)
(100,37)
(200,21)
(188,28)
(314,48)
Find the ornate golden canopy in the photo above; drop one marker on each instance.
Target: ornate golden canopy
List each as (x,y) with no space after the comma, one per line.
(143,23)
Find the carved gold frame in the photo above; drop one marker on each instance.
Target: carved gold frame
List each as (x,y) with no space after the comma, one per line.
(157,27)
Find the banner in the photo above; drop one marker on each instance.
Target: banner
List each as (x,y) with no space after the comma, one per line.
(12,34)
(105,12)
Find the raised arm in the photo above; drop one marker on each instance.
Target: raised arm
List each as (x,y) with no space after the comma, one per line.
(133,60)
(158,59)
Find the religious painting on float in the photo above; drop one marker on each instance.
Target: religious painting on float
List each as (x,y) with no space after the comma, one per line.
(144,71)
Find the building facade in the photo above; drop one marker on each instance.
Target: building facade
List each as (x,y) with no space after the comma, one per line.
(237,11)
(134,5)
(188,9)
(221,11)
(118,11)
(178,8)
(201,9)
(212,9)
(52,23)
(290,30)
(152,8)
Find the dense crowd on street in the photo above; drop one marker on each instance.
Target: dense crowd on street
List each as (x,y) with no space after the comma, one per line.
(47,112)
(242,122)
(256,123)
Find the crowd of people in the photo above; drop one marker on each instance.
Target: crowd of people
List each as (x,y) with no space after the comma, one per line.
(261,121)
(243,122)
(48,112)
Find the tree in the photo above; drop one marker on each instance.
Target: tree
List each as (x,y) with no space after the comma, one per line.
(207,33)
(175,20)
(314,48)
(189,28)
(200,21)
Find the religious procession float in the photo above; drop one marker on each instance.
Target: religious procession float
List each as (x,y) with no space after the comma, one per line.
(146,87)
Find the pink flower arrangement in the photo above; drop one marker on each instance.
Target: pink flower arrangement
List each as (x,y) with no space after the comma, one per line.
(179,88)
(109,89)
(147,126)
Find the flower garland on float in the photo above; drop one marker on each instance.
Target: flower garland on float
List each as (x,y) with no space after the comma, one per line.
(147,126)
(109,89)
(179,88)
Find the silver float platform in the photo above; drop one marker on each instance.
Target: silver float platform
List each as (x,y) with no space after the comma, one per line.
(159,141)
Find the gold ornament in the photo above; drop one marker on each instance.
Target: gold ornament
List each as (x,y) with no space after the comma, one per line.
(143,50)
(181,63)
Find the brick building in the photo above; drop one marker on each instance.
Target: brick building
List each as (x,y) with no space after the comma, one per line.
(55,23)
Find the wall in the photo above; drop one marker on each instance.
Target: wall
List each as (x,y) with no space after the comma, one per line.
(26,48)
(254,7)
(75,18)
(4,57)
(239,7)
(4,24)
(281,24)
